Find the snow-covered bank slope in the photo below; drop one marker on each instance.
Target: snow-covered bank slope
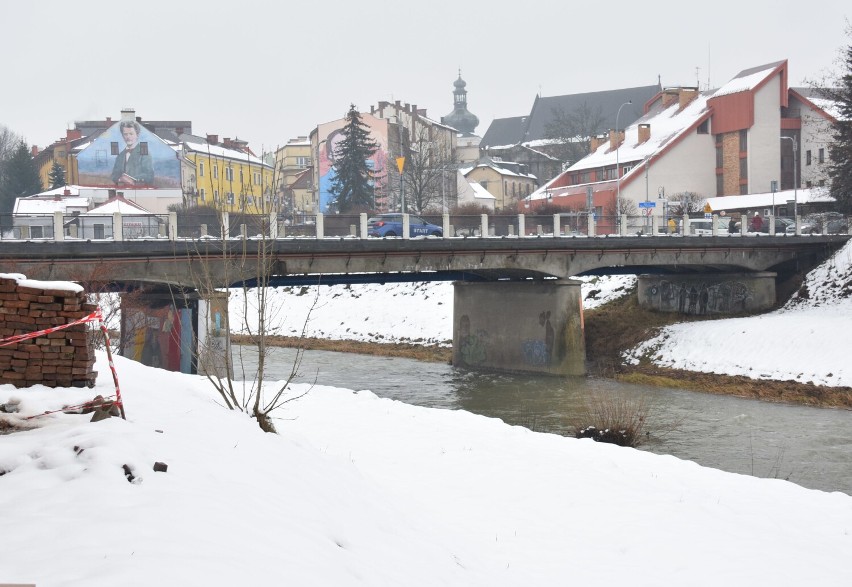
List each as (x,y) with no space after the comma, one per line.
(809,340)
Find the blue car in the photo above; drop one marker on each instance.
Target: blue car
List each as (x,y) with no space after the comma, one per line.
(391,225)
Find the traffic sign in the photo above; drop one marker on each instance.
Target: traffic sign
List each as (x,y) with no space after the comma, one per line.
(647,204)
(707,208)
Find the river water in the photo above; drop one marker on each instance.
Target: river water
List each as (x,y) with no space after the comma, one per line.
(809,446)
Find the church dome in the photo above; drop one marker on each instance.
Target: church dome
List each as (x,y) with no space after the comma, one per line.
(460,118)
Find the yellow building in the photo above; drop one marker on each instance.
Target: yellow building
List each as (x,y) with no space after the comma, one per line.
(229,177)
(62,152)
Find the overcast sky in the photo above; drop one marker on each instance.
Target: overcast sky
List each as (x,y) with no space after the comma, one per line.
(269,71)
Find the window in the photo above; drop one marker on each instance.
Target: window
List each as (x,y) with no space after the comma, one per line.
(743,189)
(241,175)
(822,183)
(302,161)
(257,180)
(720,185)
(231,197)
(98,231)
(719,161)
(808,157)
(203,194)
(215,171)
(809,184)
(143,148)
(743,168)
(625,169)
(36,231)
(484,184)
(201,169)
(229,174)
(704,128)
(743,141)
(215,196)
(113,148)
(822,155)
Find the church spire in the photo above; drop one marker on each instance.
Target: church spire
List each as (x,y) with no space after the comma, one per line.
(460,118)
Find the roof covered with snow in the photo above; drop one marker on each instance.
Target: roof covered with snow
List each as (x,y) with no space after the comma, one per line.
(223,152)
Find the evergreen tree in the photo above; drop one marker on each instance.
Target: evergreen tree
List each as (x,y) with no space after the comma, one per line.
(18,178)
(840,152)
(56,177)
(352,186)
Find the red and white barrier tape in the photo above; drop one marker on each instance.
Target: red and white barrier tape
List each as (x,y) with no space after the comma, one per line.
(96,315)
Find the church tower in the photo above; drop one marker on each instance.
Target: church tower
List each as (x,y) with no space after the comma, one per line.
(460,118)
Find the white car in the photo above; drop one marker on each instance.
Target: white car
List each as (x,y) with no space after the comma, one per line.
(704,226)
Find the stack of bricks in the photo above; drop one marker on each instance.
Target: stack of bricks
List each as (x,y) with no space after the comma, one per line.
(64,358)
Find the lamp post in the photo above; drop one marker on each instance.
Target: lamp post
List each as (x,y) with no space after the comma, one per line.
(617,170)
(795,178)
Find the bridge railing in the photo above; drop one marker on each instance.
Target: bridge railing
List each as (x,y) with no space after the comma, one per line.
(189,224)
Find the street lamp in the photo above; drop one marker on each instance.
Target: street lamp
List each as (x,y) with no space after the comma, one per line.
(617,170)
(795,178)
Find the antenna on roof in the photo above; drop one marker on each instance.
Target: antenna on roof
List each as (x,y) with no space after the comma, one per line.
(708,66)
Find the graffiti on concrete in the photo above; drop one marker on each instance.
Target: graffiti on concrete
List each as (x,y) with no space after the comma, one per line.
(700,297)
(540,352)
(471,346)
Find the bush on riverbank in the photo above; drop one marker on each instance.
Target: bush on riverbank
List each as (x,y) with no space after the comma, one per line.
(611,418)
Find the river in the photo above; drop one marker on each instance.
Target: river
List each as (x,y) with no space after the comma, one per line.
(808,446)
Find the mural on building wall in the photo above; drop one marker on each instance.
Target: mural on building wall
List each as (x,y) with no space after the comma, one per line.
(699,297)
(330,135)
(128,155)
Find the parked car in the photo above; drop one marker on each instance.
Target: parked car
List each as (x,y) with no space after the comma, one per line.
(391,225)
(704,226)
(781,225)
(822,223)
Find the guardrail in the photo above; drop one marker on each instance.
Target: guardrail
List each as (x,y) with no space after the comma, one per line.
(190,225)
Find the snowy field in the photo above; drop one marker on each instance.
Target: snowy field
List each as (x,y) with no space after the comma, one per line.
(357,490)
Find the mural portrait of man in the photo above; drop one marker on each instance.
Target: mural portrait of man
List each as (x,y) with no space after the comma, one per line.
(134,165)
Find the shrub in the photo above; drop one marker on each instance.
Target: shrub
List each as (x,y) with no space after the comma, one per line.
(612,418)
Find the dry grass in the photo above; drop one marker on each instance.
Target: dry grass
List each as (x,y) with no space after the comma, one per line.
(432,354)
(613,418)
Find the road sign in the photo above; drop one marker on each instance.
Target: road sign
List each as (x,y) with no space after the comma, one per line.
(707,208)
(400,163)
(708,216)
(647,204)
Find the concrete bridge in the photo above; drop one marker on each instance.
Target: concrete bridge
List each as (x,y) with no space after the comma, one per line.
(516,307)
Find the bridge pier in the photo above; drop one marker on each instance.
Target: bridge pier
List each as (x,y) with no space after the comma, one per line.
(708,293)
(527,326)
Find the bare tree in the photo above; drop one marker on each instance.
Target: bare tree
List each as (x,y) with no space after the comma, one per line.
(686,203)
(573,131)
(429,174)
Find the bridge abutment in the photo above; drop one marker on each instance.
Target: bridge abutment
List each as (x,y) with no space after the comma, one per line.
(533,327)
(708,293)
(184,333)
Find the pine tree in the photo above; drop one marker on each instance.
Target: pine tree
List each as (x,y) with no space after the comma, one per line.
(352,185)
(840,152)
(56,177)
(18,178)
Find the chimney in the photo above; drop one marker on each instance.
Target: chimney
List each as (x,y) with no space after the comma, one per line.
(213,139)
(66,192)
(670,96)
(128,114)
(34,150)
(685,96)
(644,132)
(109,120)
(595,142)
(110,194)
(227,142)
(615,139)
(72,134)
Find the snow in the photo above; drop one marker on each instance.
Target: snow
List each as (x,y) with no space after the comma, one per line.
(36,284)
(745,83)
(358,490)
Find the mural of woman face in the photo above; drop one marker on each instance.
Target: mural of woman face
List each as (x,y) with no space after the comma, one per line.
(334,138)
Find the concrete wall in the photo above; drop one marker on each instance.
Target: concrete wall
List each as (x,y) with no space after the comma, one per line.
(534,327)
(708,294)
